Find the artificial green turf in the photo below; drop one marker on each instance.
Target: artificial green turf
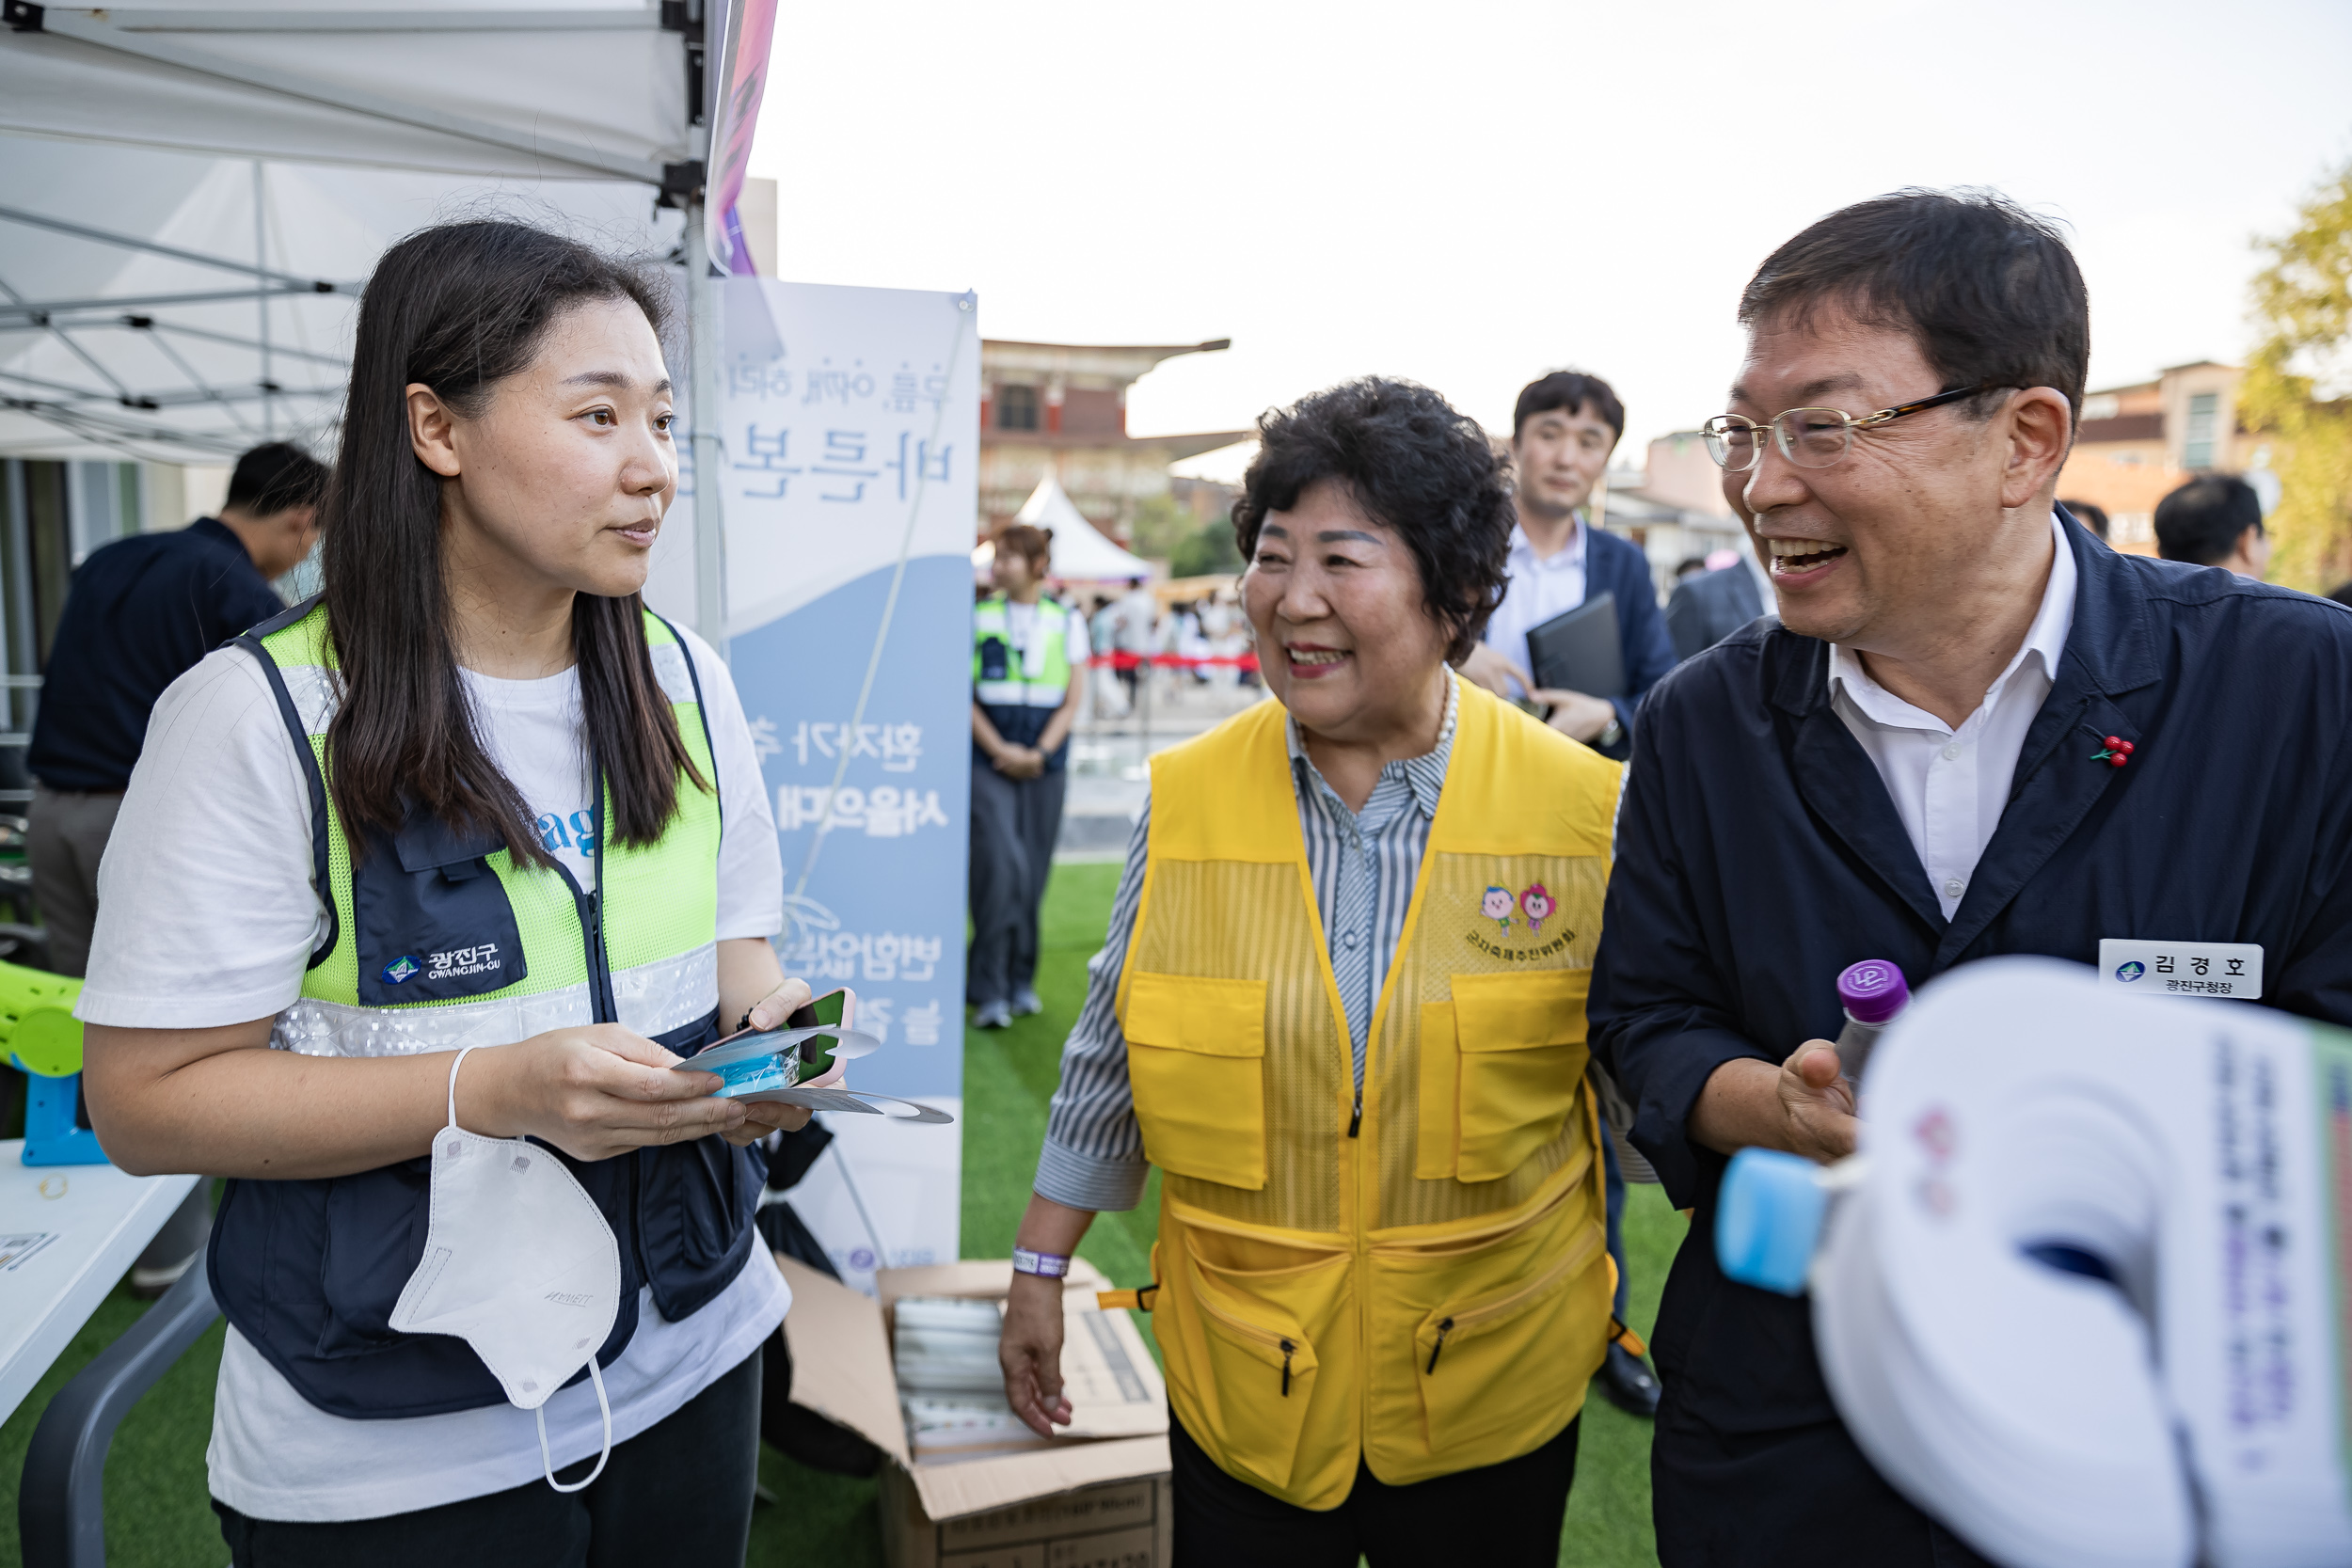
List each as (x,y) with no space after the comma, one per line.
(156,1512)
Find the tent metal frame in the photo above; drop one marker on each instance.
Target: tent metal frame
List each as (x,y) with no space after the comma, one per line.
(159,35)
(98,28)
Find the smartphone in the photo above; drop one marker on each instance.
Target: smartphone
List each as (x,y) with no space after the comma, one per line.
(808,1049)
(835,1009)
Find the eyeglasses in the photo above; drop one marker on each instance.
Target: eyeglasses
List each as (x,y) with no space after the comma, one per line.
(1809,438)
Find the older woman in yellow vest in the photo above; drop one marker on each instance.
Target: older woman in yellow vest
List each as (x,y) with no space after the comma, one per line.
(1342,1008)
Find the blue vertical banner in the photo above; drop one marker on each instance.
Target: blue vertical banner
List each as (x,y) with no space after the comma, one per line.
(851,440)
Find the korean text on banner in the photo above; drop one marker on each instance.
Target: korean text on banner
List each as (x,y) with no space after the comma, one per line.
(852,423)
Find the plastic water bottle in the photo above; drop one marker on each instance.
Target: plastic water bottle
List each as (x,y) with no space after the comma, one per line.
(1873,993)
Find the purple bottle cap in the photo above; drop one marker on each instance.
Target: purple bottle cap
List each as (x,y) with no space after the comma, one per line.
(1872,990)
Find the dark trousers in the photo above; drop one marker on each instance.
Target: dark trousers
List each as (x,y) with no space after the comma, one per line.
(1014,823)
(66,833)
(1504,1516)
(1795,1498)
(678,1493)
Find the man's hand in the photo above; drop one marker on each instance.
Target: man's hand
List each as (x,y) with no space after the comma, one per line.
(1485,667)
(1802,1106)
(1575,714)
(1020,762)
(1817,1100)
(1029,1350)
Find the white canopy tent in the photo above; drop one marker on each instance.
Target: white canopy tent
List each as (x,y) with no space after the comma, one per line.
(1081,554)
(192,194)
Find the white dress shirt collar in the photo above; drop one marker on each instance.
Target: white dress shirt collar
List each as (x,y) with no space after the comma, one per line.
(1948,785)
(1523,556)
(2045,640)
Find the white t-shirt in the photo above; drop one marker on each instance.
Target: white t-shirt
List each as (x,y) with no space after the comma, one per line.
(217,819)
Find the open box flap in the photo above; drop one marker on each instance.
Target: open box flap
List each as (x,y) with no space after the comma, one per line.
(841,1359)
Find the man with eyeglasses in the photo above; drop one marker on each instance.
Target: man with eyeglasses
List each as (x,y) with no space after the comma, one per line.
(1973,731)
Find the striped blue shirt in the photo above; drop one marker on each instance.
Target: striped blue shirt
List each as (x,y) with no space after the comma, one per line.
(1363,866)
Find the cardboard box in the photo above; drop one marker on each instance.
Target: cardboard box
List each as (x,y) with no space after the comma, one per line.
(1097,1498)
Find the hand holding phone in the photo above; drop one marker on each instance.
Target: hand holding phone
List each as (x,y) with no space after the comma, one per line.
(802,1063)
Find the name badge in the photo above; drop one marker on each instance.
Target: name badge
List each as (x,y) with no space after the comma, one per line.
(2181,968)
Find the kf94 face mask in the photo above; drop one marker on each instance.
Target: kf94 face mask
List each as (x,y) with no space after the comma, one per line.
(521,1264)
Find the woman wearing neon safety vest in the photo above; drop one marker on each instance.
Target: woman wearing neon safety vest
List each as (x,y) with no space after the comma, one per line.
(473,844)
(1028,663)
(1342,1008)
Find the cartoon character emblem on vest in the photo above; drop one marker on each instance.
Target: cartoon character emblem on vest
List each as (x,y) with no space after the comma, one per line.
(1496,907)
(1537,904)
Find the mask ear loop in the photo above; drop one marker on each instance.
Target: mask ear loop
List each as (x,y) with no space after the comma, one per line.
(452,1084)
(546,1460)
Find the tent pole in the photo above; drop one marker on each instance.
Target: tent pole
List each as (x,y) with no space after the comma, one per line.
(710,554)
(261,299)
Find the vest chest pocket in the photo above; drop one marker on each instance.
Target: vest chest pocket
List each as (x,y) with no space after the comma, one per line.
(433,920)
(1196,1060)
(1501,1065)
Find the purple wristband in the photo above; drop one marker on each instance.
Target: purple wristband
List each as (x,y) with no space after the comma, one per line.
(1047,1265)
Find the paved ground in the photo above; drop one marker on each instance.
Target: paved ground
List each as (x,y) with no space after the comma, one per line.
(1107,757)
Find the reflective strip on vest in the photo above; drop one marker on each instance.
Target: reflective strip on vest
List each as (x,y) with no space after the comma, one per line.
(1043,675)
(658,904)
(1429,1295)
(652,998)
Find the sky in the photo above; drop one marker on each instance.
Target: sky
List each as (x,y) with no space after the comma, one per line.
(1470,195)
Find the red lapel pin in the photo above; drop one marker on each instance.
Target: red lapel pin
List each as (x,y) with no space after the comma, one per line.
(2115,752)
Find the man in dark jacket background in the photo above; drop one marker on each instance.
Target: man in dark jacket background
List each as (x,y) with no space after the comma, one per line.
(1921,763)
(139,615)
(1708,606)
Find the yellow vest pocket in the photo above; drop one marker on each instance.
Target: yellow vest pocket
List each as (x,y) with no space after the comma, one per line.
(1261,1376)
(1508,1364)
(1196,1057)
(1520,1040)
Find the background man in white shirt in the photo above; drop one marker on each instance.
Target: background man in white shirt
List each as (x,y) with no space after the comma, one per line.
(1563,428)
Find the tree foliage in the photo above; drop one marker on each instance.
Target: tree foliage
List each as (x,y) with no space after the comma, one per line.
(2295,387)
(1165,529)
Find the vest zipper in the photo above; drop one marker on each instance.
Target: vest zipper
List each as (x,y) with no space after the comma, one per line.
(1445,1326)
(1288,1346)
(589,907)
(1355,1118)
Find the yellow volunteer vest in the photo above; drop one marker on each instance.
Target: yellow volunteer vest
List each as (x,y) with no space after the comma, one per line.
(1432,1292)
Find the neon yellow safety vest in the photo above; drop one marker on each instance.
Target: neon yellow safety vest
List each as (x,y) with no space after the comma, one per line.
(436,940)
(1429,1288)
(413,976)
(1003,676)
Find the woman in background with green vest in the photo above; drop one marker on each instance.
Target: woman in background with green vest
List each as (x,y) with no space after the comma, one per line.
(470,850)
(1029,672)
(1342,1008)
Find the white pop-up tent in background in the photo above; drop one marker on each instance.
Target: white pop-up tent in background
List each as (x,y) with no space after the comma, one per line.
(191,197)
(531,99)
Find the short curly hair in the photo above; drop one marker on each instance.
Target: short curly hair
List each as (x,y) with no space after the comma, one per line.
(1416,467)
